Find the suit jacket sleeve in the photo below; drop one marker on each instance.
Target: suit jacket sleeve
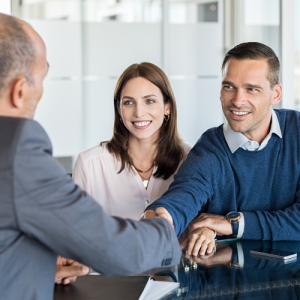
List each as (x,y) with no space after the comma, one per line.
(50,208)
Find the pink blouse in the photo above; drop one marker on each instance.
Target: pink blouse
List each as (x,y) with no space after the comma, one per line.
(122,195)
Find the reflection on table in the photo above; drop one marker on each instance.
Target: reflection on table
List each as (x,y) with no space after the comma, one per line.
(232,273)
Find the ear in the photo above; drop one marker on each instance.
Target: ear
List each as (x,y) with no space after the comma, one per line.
(276,94)
(167,108)
(19,93)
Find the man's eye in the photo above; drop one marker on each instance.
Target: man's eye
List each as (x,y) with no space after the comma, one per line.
(227,87)
(252,90)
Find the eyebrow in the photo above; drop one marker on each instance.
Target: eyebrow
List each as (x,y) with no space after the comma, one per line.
(147,96)
(227,82)
(247,85)
(254,86)
(128,97)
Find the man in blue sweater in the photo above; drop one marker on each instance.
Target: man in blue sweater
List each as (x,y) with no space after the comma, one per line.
(242,178)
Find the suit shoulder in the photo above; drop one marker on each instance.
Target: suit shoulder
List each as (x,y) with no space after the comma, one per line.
(10,131)
(33,135)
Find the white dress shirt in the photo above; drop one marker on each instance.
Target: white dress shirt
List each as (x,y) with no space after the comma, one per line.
(122,195)
(237,140)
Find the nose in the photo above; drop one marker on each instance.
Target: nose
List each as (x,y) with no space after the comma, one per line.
(139,110)
(239,98)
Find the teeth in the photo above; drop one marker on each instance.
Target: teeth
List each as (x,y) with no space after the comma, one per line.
(141,124)
(240,113)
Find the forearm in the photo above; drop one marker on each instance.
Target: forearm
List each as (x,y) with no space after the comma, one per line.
(112,246)
(52,210)
(183,202)
(273,225)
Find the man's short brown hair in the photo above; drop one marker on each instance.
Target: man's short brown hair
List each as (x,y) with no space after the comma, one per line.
(256,51)
(17,53)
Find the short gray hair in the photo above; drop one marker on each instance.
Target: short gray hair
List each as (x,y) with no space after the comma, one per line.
(17,53)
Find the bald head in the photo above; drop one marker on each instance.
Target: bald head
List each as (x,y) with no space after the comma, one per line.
(23,67)
(17,52)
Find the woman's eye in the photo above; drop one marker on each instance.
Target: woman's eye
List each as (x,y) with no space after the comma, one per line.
(150,101)
(128,102)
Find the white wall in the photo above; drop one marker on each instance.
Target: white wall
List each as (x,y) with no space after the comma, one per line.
(195,59)
(60,110)
(108,49)
(5,7)
(86,58)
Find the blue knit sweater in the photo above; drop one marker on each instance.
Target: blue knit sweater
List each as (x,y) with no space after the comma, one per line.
(264,184)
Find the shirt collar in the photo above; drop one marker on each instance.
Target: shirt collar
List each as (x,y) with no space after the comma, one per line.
(236,139)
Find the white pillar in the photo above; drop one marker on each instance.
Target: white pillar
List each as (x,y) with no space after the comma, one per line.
(287,53)
(5,7)
(165,35)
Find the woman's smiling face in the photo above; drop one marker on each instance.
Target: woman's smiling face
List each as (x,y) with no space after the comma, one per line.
(142,108)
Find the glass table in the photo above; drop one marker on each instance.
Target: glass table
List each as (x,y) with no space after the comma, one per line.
(231,273)
(234,273)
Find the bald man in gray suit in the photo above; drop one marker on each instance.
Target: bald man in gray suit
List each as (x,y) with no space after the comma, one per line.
(42,212)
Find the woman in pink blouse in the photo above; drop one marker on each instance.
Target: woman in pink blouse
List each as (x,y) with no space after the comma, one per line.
(138,164)
(135,167)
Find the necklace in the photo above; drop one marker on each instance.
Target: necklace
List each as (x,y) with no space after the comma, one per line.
(145,180)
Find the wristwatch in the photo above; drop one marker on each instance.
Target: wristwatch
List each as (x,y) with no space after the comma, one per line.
(234,262)
(233,218)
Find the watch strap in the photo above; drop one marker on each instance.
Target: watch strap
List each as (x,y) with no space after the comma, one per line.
(235,228)
(234,257)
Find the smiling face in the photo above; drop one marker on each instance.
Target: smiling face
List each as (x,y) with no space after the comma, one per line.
(142,108)
(246,97)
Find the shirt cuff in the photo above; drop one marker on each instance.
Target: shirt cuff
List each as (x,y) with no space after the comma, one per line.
(240,254)
(241,226)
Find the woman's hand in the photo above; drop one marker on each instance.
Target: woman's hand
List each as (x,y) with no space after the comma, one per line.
(67,270)
(200,240)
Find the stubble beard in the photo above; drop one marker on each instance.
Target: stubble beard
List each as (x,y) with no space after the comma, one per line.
(241,126)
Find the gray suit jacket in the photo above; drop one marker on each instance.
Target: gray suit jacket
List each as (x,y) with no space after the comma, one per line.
(43,213)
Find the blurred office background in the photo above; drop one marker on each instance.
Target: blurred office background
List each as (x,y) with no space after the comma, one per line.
(90,43)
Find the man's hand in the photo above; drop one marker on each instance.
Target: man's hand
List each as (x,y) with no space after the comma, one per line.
(67,270)
(202,239)
(221,257)
(149,214)
(159,212)
(216,222)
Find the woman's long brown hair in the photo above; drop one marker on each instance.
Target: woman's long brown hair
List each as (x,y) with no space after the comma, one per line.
(170,146)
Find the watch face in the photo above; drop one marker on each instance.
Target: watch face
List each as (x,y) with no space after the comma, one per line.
(232,215)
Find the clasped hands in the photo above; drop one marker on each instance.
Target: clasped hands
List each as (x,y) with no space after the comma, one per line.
(201,232)
(200,238)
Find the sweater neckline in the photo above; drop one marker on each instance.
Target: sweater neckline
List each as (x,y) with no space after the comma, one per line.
(243,152)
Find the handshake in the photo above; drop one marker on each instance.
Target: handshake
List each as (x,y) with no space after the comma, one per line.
(199,237)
